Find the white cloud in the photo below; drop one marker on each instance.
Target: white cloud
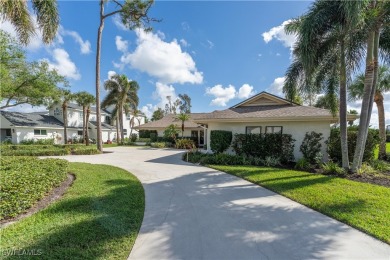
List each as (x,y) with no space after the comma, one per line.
(184,43)
(276,87)
(63,64)
(24,108)
(280,34)
(121,45)
(164,60)
(161,35)
(278,54)
(222,95)
(148,110)
(118,23)
(209,44)
(245,91)
(110,74)
(161,93)
(185,26)
(85,46)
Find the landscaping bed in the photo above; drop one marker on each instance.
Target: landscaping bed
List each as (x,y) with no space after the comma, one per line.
(98,217)
(25,180)
(47,150)
(361,205)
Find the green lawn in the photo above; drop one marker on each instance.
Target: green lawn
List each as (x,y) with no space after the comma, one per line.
(376,151)
(98,217)
(361,205)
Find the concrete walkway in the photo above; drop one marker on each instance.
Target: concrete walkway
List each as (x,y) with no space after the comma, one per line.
(193,212)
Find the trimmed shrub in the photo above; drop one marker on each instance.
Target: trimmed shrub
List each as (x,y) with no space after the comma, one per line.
(332,168)
(303,164)
(146,140)
(334,144)
(146,133)
(25,180)
(37,141)
(265,145)
(184,144)
(388,138)
(153,137)
(271,161)
(220,140)
(133,138)
(159,145)
(311,147)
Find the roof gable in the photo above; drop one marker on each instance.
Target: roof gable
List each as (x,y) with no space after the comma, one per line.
(264,99)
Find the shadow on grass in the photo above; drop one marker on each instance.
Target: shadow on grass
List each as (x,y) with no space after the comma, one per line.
(99,226)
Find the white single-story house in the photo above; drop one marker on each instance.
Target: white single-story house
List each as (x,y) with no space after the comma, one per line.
(262,113)
(191,129)
(16,126)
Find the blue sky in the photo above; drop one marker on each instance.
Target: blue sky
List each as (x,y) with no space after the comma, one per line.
(218,53)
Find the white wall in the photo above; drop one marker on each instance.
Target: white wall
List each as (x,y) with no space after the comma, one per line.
(296,129)
(126,124)
(28,134)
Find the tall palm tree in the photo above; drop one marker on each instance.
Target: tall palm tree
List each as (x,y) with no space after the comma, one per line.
(356,92)
(123,94)
(377,27)
(324,34)
(85,99)
(183,117)
(63,98)
(16,12)
(134,14)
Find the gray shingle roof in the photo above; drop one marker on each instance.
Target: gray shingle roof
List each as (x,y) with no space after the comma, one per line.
(267,112)
(104,125)
(32,120)
(171,119)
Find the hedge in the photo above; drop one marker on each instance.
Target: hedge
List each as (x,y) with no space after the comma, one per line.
(265,145)
(334,144)
(25,180)
(220,140)
(146,133)
(46,150)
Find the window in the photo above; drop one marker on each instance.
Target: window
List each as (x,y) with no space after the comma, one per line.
(128,117)
(125,131)
(8,132)
(273,129)
(80,133)
(57,111)
(81,116)
(40,132)
(253,130)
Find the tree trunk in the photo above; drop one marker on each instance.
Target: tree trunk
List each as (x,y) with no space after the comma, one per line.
(182,130)
(343,108)
(121,124)
(372,71)
(117,129)
(364,114)
(65,119)
(86,125)
(382,125)
(98,53)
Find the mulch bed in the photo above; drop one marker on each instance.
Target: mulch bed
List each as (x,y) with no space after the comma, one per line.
(52,196)
(383,180)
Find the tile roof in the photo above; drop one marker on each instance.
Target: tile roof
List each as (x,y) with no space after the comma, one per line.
(171,119)
(267,112)
(32,119)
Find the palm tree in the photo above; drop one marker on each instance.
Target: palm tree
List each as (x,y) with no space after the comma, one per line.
(136,115)
(134,14)
(85,99)
(323,40)
(123,95)
(356,92)
(63,98)
(183,117)
(378,33)
(16,12)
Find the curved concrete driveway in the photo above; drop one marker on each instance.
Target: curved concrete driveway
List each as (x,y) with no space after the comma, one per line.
(193,212)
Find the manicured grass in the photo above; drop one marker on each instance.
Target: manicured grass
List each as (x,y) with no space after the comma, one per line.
(110,145)
(376,151)
(360,205)
(98,217)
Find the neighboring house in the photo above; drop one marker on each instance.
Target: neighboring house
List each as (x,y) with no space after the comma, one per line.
(191,129)
(267,113)
(49,124)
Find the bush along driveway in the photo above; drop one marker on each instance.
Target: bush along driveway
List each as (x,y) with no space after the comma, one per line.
(98,217)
